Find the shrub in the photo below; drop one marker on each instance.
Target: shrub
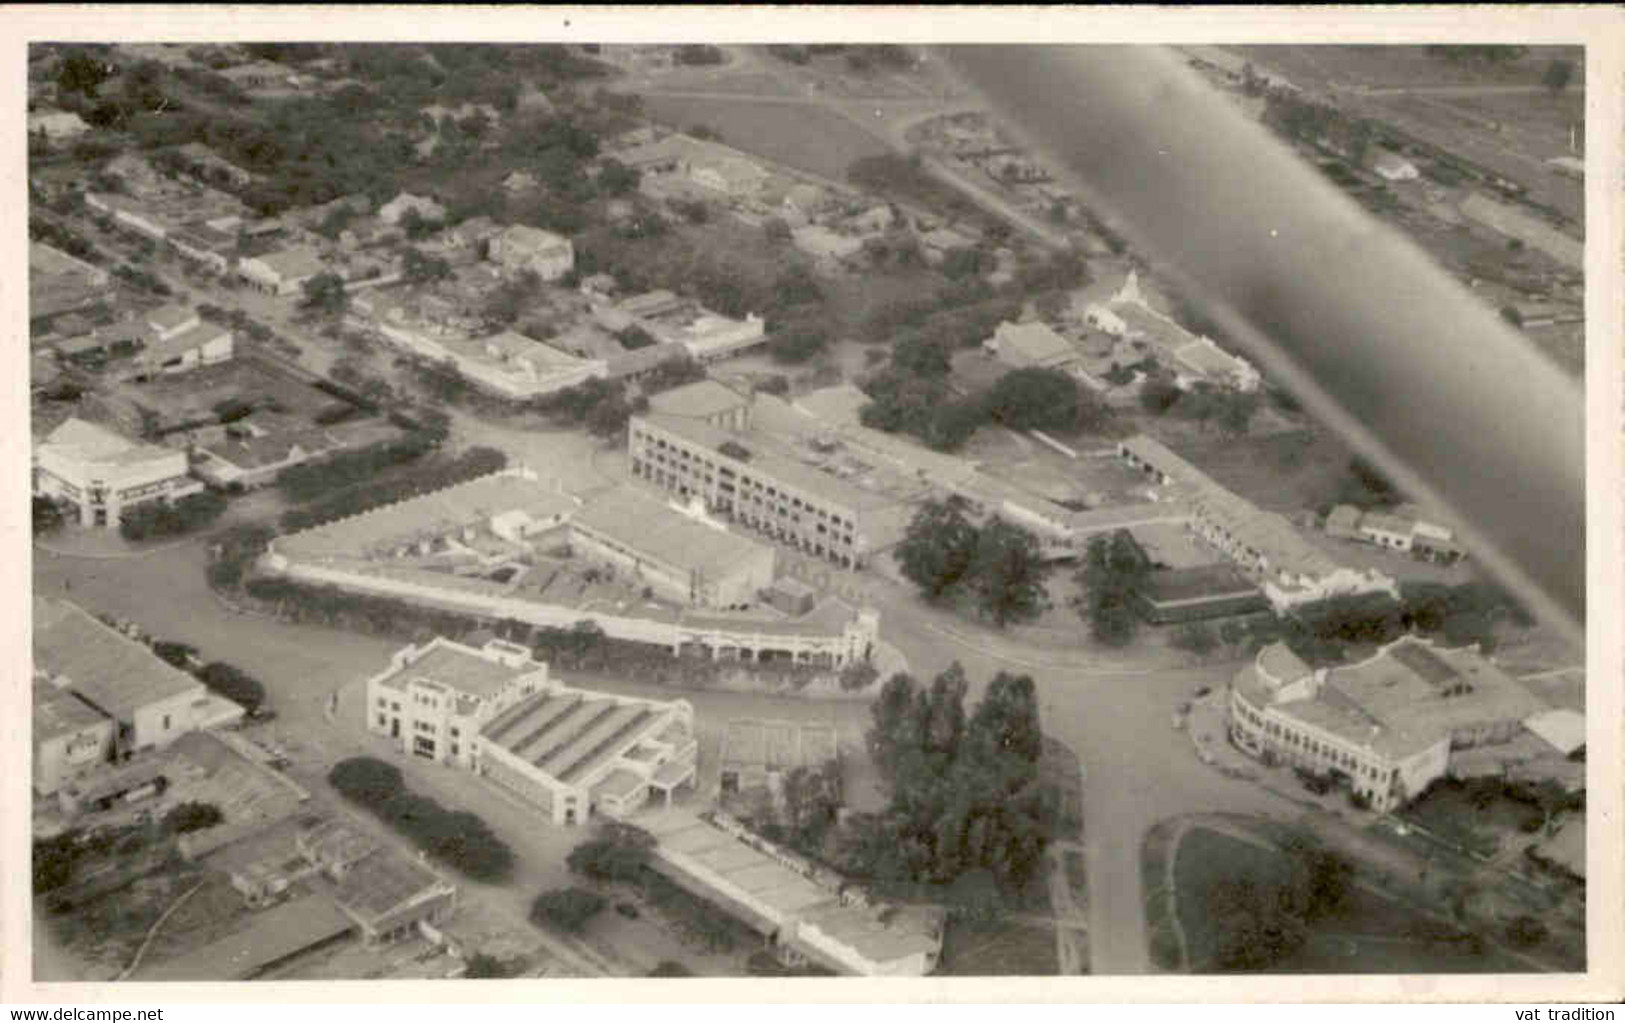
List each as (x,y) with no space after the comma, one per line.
(1526,932)
(366,780)
(566,909)
(234,684)
(157,519)
(192,816)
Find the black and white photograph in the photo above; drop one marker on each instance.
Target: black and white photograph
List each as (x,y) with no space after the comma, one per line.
(776,497)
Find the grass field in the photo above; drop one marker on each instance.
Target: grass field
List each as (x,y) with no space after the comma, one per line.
(1370,934)
(798,135)
(998,949)
(1398,66)
(1282,472)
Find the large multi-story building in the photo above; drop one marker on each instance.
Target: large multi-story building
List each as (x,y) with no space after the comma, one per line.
(101,474)
(152,702)
(520,247)
(1290,570)
(1388,723)
(748,476)
(434,699)
(573,752)
(684,557)
(69,737)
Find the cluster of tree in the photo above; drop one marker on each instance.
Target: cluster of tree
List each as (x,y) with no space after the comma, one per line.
(358,612)
(142,279)
(1488,54)
(311,480)
(619,854)
(1320,124)
(566,909)
(324,294)
(419,267)
(234,549)
(904,179)
(191,816)
(911,395)
(57,236)
(1323,632)
(152,520)
(1364,486)
(224,679)
(471,464)
(805,814)
(603,407)
(698,54)
(1203,403)
(582,645)
(944,553)
(1112,566)
(1259,920)
(508,301)
(47,515)
(966,796)
(457,838)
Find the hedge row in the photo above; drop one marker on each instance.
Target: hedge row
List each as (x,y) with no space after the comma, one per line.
(457,838)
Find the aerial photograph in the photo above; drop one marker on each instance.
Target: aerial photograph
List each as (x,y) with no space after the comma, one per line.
(557,510)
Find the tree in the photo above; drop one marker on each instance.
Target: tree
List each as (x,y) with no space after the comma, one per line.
(937,548)
(566,909)
(776,229)
(48,517)
(1158,394)
(1107,578)
(1008,573)
(324,293)
(366,780)
(176,655)
(419,267)
(191,816)
(1034,399)
(1558,75)
(616,178)
(1525,932)
(235,685)
(798,342)
(1511,314)
(81,73)
(1196,638)
(619,853)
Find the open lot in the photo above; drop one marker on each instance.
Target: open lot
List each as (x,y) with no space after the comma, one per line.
(192,395)
(798,135)
(1369,935)
(999,949)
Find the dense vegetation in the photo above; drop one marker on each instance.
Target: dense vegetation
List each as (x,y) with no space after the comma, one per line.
(566,909)
(997,563)
(459,839)
(1112,566)
(154,520)
(470,465)
(967,814)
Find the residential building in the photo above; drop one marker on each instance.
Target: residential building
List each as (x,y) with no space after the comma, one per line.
(1393,167)
(132,213)
(394,211)
(333,848)
(825,244)
(56,124)
(682,556)
(205,245)
(518,182)
(573,753)
(248,458)
(1402,529)
(1194,359)
(198,344)
(1265,545)
(507,364)
(433,700)
(389,896)
(1390,723)
(213,166)
(101,474)
(152,702)
(707,164)
(520,247)
(937,244)
(282,272)
(757,754)
(744,475)
(806,912)
(58,282)
(258,74)
(1031,346)
(672,319)
(69,737)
